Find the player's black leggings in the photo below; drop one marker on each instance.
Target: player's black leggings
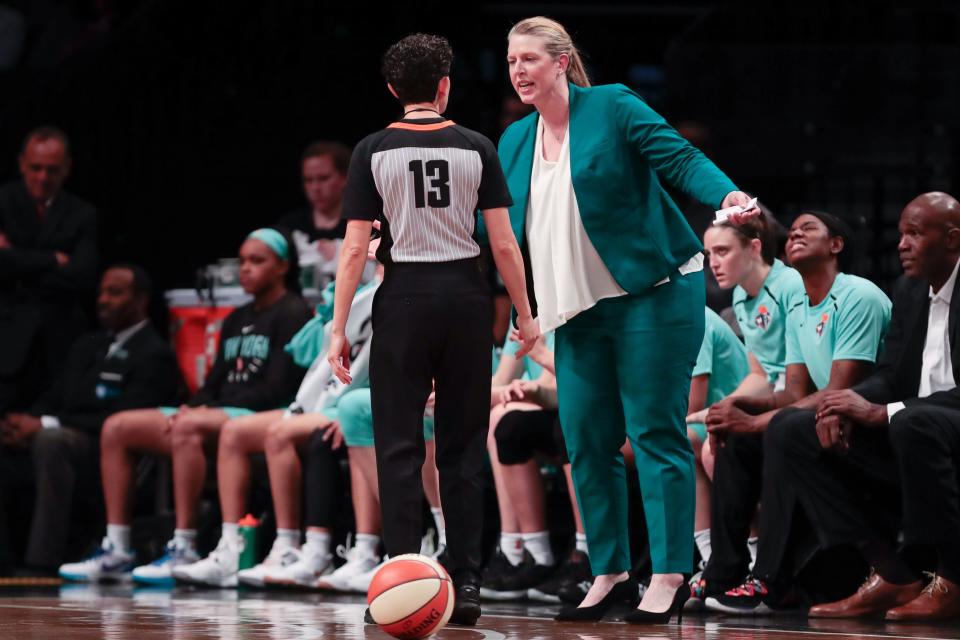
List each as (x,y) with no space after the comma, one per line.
(322,480)
(521,434)
(432,323)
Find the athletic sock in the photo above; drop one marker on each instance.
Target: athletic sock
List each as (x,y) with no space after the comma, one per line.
(319,542)
(511,545)
(441,526)
(367,541)
(185,538)
(702,538)
(752,548)
(538,544)
(119,535)
(287,538)
(581,539)
(231,533)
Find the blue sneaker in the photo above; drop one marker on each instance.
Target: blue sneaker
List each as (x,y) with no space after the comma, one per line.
(106,564)
(160,571)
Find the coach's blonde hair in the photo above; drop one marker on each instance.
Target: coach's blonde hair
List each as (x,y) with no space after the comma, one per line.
(557,42)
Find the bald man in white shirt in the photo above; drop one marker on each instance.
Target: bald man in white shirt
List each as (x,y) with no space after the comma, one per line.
(912,393)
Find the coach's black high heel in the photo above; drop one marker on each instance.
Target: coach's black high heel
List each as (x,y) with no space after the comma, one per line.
(624,592)
(642,616)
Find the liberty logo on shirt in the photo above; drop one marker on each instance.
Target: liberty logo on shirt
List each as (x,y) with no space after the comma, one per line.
(763,318)
(823,323)
(249,352)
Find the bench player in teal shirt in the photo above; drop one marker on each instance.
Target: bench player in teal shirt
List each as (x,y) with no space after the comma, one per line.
(848,324)
(765,289)
(840,325)
(721,364)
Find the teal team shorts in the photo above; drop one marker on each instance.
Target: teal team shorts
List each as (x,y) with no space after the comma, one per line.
(232,412)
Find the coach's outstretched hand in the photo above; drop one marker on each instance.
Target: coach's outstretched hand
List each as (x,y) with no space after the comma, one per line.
(529,334)
(338,355)
(739,198)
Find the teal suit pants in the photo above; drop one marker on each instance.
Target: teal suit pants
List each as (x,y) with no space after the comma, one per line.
(623,373)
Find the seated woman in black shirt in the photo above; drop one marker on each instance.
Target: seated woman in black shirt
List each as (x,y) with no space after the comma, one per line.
(251,373)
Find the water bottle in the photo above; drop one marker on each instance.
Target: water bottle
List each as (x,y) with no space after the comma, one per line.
(248,533)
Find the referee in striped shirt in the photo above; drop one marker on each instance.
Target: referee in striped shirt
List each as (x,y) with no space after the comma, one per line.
(423,178)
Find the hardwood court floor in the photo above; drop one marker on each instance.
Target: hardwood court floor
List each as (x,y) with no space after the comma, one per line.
(85,613)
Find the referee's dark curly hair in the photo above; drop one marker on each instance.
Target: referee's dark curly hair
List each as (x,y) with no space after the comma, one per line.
(414,66)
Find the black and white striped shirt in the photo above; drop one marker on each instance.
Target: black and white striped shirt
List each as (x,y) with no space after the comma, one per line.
(424,180)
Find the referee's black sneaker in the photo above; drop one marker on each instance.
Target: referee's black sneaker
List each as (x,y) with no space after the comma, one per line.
(466,605)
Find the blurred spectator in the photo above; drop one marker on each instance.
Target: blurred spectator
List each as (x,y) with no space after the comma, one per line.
(124,365)
(48,268)
(317,227)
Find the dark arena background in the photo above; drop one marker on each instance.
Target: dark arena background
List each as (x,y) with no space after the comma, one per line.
(187,121)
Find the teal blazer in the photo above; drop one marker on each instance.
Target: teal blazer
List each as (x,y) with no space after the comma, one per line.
(620,152)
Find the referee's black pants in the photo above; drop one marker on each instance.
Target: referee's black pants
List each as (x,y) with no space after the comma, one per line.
(926,443)
(432,324)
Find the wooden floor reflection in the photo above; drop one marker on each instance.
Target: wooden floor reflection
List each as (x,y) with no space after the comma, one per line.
(82,613)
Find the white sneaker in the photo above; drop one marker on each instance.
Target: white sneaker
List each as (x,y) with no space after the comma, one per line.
(159,571)
(427,545)
(360,583)
(105,564)
(359,560)
(278,558)
(306,571)
(219,569)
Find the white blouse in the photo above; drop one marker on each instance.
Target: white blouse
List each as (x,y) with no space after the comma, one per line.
(568,274)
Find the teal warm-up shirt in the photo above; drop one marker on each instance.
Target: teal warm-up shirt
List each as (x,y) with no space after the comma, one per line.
(531,370)
(849,324)
(763,318)
(722,356)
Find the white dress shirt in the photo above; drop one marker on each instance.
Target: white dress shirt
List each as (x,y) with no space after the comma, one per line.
(936,373)
(569,274)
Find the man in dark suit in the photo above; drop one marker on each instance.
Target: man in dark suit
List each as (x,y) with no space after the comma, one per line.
(48,268)
(842,461)
(126,365)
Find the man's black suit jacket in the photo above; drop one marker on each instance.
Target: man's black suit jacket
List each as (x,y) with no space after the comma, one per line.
(37,296)
(90,386)
(897,376)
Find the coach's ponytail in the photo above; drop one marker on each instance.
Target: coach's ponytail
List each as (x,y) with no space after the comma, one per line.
(557,42)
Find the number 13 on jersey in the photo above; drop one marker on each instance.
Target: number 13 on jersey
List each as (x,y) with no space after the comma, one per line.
(438,173)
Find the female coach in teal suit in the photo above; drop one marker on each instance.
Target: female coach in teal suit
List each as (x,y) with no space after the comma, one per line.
(618,272)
